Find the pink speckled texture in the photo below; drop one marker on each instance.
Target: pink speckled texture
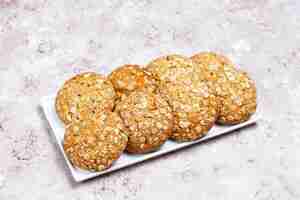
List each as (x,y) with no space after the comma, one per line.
(44,42)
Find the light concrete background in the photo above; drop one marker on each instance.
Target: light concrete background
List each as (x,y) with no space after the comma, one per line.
(43,42)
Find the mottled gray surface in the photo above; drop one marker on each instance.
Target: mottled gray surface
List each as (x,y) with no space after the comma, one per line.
(43,42)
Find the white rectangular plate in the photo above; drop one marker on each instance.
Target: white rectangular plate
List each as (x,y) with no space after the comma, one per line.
(126,160)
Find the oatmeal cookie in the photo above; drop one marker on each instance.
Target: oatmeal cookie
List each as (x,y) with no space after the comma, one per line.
(235,91)
(148,119)
(171,68)
(194,109)
(128,78)
(212,58)
(84,96)
(193,104)
(95,144)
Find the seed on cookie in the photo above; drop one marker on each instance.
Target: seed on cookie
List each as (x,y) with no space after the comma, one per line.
(193,103)
(235,91)
(148,119)
(128,78)
(95,144)
(84,96)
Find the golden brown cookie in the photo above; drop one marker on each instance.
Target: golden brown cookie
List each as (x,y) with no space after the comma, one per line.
(234,89)
(171,68)
(194,109)
(128,78)
(193,104)
(148,119)
(95,144)
(212,58)
(84,96)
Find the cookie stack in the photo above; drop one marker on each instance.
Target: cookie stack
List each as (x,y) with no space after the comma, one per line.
(138,108)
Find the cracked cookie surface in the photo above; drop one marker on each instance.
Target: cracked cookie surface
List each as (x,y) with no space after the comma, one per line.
(193,104)
(95,144)
(84,96)
(128,78)
(148,119)
(235,91)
